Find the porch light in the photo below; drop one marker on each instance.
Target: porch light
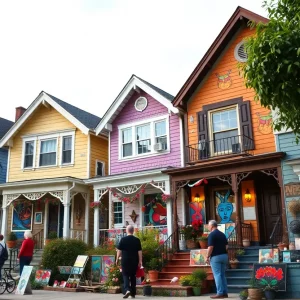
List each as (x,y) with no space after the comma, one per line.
(197,198)
(247,196)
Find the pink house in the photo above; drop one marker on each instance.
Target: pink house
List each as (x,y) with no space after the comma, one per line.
(145,138)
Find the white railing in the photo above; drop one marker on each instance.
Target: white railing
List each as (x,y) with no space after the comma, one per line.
(115,234)
(77,234)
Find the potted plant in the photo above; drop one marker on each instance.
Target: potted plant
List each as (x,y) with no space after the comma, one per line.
(196,285)
(240,252)
(147,288)
(114,280)
(203,241)
(270,292)
(153,267)
(233,263)
(200,275)
(191,233)
(51,236)
(243,295)
(11,240)
(254,292)
(246,242)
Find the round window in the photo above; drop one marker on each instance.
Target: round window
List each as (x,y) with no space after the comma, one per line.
(141,104)
(240,53)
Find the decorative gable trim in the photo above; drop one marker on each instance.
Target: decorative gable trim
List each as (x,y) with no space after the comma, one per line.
(45,100)
(134,83)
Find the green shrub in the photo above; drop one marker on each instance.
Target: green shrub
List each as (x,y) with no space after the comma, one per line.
(61,253)
(186,280)
(52,235)
(35,285)
(200,274)
(11,236)
(107,248)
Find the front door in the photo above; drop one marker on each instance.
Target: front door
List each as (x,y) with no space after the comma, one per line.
(269,203)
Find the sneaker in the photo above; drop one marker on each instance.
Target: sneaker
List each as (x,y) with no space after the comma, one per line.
(127,294)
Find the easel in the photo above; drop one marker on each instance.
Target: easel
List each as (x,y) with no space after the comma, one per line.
(77,270)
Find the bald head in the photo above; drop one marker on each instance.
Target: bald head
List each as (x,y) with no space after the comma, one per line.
(130,229)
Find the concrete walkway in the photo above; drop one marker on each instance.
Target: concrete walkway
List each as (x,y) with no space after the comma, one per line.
(43,295)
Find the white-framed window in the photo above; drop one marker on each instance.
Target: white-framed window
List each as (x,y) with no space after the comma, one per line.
(224,129)
(100,168)
(29,154)
(143,138)
(48,152)
(118,213)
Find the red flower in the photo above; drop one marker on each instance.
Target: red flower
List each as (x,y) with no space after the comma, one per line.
(279,274)
(260,273)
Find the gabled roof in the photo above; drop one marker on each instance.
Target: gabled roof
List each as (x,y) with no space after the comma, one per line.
(131,86)
(240,17)
(5,125)
(81,119)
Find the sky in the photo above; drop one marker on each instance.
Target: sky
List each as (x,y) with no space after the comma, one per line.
(85,51)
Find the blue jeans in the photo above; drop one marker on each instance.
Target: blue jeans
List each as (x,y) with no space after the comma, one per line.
(130,284)
(218,265)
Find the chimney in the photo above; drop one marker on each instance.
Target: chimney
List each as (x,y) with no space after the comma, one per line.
(19,112)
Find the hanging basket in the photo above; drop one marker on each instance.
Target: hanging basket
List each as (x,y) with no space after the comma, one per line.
(295,226)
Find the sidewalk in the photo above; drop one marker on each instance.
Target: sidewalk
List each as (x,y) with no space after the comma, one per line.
(41,294)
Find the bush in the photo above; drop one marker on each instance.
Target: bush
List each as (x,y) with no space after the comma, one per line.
(35,285)
(11,236)
(52,235)
(61,253)
(200,274)
(186,280)
(108,248)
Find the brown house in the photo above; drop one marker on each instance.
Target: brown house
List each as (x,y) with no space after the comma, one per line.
(229,141)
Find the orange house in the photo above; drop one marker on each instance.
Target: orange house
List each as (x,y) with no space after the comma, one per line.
(229,141)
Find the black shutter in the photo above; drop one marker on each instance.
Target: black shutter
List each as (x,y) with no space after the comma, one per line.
(246,125)
(203,138)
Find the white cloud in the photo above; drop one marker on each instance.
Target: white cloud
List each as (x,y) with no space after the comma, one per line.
(84,52)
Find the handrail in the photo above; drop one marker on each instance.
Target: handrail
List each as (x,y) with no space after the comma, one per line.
(232,243)
(39,240)
(13,258)
(273,236)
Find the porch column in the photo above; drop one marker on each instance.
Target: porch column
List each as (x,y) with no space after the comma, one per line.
(4,216)
(46,221)
(169,208)
(96,220)
(235,189)
(175,222)
(86,220)
(66,229)
(285,234)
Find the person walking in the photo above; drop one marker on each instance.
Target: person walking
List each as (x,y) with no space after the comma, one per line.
(3,253)
(218,258)
(130,251)
(26,251)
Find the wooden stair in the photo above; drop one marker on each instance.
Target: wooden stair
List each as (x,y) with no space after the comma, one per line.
(178,266)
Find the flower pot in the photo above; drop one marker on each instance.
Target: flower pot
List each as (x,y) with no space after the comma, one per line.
(113,290)
(255,294)
(11,244)
(147,290)
(203,244)
(281,246)
(191,244)
(233,265)
(182,244)
(153,275)
(196,290)
(270,294)
(246,243)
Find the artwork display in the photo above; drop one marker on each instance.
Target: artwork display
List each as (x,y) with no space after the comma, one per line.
(264,123)
(65,269)
(21,217)
(24,284)
(56,283)
(42,276)
(271,276)
(76,270)
(286,256)
(198,257)
(154,210)
(107,260)
(197,211)
(267,256)
(81,261)
(225,207)
(96,268)
(222,228)
(224,80)
(297,243)
(38,217)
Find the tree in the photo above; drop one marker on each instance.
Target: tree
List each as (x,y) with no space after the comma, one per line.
(273,65)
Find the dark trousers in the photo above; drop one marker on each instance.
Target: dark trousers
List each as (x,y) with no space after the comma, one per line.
(130,283)
(24,261)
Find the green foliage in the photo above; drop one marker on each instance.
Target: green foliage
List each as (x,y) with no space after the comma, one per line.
(115,277)
(153,264)
(240,252)
(150,243)
(61,253)
(244,293)
(200,274)
(195,279)
(52,235)
(273,65)
(203,238)
(11,236)
(107,248)
(34,285)
(186,280)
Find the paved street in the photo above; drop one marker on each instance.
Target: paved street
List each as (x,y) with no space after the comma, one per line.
(88,296)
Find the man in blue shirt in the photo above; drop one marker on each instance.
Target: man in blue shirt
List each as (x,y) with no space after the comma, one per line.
(218,258)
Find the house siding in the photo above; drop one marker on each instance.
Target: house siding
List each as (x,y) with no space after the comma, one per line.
(209,92)
(286,142)
(99,151)
(129,115)
(3,165)
(45,120)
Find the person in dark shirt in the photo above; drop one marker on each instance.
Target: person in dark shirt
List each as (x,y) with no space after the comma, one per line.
(218,258)
(130,251)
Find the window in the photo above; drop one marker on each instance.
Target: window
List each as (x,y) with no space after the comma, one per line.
(146,138)
(48,152)
(224,128)
(118,213)
(100,168)
(66,149)
(240,53)
(29,151)
(161,134)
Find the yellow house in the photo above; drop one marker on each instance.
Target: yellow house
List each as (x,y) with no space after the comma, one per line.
(52,149)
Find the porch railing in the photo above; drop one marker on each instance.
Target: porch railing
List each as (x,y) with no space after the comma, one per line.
(13,258)
(165,251)
(204,149)
(77,234)
(38,240)
(246,231)
(232,243)
(276,235)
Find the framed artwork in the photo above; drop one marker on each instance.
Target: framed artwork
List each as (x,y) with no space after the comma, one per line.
(38,217)
(96,268)
(64,269)
(270,275)
(107,260)
(297,243)
(268,256)
(42,276)
(198,257)
(22,217)
(286,256)
(81,261)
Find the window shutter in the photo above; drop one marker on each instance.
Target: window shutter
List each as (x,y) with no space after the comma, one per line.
(246,125)
(202,126)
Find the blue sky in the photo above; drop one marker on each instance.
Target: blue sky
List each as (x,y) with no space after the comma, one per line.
(84,51)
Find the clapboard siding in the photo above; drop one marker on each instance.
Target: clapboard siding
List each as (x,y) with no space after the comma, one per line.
(99,151)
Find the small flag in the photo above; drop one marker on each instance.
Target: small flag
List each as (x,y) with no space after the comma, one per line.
(197,183)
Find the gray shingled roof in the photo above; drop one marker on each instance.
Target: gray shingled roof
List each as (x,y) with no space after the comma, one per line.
(89,120)
(5,125)
(160,91)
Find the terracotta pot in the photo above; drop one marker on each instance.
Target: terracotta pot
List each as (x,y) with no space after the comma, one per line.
(191,244)
(11,244)
(203,244)
(255,294)
(153,275)
(246,243)
(233,265)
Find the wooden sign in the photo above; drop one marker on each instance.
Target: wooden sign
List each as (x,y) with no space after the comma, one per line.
(24,286)
(292,189)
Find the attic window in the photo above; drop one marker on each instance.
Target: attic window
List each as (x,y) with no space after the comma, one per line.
(141,104)
(240,53)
